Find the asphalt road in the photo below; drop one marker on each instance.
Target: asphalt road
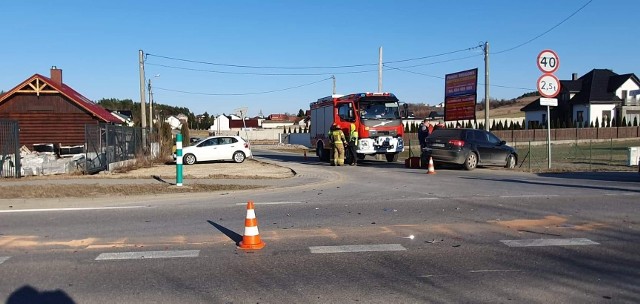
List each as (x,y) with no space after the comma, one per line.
(375,233)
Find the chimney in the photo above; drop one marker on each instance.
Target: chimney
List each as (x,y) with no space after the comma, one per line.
(574,76)
(56,75)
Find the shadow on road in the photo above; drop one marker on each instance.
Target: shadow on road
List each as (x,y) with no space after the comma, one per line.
(231,234)
(158,178)
(28,294)
(289,157)
(552,184)
(604,176)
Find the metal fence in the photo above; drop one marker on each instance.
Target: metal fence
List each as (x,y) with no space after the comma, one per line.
(106,144)
(581,155)
(9,149)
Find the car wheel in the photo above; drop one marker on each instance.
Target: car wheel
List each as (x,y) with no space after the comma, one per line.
(323,154)
(511,161)
(392,157)
(189,159)
(238,157)
(471,162)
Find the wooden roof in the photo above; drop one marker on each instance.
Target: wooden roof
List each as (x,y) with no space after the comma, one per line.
(38,84)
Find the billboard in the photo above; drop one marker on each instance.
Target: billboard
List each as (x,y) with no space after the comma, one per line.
(460,108)
(461,91)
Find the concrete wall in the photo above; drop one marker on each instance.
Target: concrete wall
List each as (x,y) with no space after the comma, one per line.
(297,139)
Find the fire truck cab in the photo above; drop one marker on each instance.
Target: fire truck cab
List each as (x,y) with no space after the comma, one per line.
(375,115)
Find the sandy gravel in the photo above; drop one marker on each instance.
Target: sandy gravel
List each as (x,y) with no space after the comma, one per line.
(250,168)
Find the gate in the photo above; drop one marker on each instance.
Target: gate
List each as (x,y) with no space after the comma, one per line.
(9,149)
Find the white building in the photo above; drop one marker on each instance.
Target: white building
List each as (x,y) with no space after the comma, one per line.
(599,96)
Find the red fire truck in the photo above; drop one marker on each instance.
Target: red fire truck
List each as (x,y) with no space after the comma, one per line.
(375,115)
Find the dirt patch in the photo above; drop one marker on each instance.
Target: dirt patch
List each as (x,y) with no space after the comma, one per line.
(97,190)
(249,169)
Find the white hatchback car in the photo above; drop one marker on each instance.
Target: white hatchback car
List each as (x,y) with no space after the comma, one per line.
(216,148)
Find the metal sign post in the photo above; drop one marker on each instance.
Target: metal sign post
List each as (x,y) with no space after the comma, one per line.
(548,87)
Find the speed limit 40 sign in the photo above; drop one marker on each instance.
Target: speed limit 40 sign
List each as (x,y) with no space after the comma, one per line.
(548,61)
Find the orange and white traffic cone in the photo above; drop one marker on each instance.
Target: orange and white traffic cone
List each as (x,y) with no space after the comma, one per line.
(251,237)
(431,169)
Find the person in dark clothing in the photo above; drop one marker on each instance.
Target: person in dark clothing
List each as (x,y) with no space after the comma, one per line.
(423,131)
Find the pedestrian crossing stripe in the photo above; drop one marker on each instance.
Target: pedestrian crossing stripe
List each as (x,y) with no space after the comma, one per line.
(148,255)
(549,242)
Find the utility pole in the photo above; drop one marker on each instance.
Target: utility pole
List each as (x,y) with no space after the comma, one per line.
(143,102)
(150,108)
(334,84)
(486,86)
(380,70)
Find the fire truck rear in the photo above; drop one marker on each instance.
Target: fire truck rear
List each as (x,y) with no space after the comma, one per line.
(375,115)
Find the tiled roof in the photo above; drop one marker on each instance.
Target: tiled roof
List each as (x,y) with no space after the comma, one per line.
(595,88)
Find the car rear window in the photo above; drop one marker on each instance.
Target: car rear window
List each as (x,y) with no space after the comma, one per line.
(447,133)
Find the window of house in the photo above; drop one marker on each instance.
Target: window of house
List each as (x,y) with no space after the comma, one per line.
(606,116)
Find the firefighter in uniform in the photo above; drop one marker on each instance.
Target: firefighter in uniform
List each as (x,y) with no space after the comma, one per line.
(337,139)
(353,145)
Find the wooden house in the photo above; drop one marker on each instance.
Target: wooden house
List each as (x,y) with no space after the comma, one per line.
(49,111)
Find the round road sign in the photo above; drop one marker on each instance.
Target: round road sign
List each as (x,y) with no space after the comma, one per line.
(548,85)
(548,61)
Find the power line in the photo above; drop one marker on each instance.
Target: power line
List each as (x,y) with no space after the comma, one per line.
(308,67)
(441,61)
(440,77)
(437,55)
(412,72)
(545,32)
(259,67)
(242,94)
(261,74)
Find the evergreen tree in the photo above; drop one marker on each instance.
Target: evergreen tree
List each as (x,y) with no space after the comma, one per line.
(300,113)
(624,121)
(184,130)
(591,124)
(635,121)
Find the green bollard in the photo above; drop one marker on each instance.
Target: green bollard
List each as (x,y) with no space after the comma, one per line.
(179,160)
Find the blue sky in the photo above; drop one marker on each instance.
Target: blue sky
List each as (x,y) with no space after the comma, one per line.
(96,45)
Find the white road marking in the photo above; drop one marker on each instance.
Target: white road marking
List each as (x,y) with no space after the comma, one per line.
(148,255)
(270,203)
(494,270)
(356,248)
(3,259)
(549,242)
(528,195)
(471,271)
(70,209)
